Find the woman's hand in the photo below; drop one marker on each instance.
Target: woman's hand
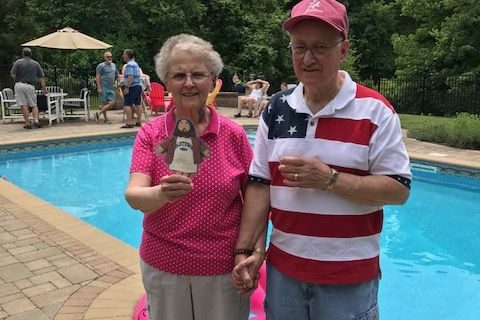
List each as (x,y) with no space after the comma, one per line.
(141,195)
(245,275)
(173,187)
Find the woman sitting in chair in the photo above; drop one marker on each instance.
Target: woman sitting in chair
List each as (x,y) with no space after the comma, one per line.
(264,102)
(259,89)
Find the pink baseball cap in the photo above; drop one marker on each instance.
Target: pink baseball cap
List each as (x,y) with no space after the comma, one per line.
(330,11)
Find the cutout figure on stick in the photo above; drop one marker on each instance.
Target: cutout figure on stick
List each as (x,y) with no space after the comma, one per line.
(184,151)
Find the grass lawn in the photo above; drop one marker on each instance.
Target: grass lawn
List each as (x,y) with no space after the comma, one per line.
(410,121)
(461,131)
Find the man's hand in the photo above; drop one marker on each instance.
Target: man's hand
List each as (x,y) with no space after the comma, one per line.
(304,172)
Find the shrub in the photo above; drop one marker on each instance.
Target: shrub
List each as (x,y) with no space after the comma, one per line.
(463,131)
(431,132)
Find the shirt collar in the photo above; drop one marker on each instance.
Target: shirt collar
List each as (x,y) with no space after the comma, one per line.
(213,126)
(346,94)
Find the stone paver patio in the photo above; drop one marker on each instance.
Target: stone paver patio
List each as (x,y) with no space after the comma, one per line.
(54,266)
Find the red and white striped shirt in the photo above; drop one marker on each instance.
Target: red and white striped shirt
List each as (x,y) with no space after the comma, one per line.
(317,236)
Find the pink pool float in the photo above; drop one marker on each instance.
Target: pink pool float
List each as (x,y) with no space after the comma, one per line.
(256,301)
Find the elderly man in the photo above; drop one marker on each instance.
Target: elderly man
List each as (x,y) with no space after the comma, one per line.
(106,74)
(25,72)
(328,156)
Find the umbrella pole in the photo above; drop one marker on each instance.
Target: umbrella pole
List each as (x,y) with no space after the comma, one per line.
(55,75)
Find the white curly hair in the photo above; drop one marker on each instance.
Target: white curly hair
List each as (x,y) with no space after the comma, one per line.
(190,43)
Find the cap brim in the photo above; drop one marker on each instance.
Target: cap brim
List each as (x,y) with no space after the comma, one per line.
(290,23)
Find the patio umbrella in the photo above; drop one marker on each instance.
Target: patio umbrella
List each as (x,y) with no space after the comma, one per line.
(67,38)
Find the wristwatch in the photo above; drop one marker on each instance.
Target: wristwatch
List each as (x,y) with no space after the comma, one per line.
(333,179)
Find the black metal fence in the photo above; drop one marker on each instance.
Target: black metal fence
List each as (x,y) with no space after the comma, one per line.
(435,95)
(71,81)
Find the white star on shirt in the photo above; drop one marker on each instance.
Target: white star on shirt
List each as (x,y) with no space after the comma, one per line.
(279,119)
(269,107)
(292,130)
(283,98)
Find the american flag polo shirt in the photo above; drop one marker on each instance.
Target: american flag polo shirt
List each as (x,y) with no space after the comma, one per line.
(317,236)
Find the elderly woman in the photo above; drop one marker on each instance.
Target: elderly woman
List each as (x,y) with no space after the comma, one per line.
(190,222)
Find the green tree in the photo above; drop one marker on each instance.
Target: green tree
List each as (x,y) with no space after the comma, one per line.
(372,24)
(445,39)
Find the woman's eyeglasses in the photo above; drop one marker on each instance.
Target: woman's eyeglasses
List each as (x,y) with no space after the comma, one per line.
(181,77)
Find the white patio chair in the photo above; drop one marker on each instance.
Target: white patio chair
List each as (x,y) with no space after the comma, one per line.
(54,89)
(77,107)
(10,109)
(47,107)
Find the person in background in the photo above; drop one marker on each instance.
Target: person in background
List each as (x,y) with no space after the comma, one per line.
(106,75)
(132,90)
(264,102)
(237,83)
(191,222)
(26,72)
(259,89)
(328,156)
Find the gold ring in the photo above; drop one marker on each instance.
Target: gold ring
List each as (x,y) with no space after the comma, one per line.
(296,176)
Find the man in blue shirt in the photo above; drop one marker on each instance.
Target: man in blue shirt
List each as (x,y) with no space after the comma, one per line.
(106,75)
(133,89)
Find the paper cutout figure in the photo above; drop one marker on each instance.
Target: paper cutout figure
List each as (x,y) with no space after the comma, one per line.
(183,151)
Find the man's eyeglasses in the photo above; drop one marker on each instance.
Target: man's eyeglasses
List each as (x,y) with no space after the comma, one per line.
(181,77)
(108,57)
(318,50)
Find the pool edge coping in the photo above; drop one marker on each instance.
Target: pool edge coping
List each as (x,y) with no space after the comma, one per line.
(68,137)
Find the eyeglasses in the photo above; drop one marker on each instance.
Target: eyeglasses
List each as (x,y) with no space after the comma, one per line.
(317,50)
(181,77)
(108,57)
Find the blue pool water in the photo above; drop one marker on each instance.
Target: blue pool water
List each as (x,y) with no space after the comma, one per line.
(430,246)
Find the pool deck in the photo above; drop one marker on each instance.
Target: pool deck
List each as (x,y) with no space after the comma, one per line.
(55,266)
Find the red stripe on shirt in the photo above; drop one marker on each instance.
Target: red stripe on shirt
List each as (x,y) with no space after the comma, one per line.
(324,272)
(345,130)
(365,92)
(277,178)
(329,226)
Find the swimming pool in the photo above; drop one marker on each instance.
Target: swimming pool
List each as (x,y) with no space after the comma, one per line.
(430,260)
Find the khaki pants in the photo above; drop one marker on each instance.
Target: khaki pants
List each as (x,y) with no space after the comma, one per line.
(176,297)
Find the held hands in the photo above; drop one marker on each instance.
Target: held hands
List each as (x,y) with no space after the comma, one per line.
(173,187)
(245,275)
(304,172)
